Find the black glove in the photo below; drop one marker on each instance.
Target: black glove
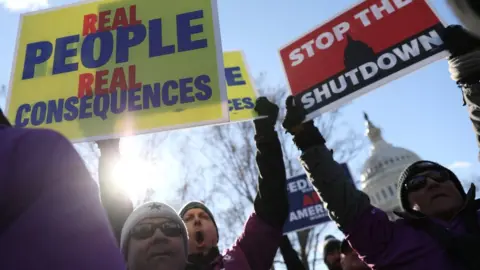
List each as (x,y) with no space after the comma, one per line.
(458,41)
(305,135)
(265,108)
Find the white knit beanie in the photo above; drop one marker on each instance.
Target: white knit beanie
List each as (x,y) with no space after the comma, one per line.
(151,210)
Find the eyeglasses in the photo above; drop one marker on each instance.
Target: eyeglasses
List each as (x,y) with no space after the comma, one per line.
(420,181)
(146,230)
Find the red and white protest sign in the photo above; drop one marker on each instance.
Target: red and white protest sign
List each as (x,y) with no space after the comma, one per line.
(372,43)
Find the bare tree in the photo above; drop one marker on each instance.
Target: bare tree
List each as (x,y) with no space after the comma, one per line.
(228,168)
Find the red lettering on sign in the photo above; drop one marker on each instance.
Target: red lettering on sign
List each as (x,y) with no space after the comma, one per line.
(101,83)
(101,22)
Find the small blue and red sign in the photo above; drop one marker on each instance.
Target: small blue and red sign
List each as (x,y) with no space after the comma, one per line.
(306,208)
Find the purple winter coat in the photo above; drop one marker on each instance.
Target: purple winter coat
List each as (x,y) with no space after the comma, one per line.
(254,249)
(51,216)
(381,243)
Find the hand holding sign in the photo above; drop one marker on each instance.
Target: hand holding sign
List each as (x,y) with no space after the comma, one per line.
(468,12)
(294,118)
(305,135)
(266,108)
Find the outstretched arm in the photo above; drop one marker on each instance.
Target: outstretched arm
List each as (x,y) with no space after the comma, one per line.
(271,203)
(115,202)
(263,229)
(367,228)
(464,67)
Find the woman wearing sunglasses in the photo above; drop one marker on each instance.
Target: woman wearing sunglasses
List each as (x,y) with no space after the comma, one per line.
(154,237)
(440,225)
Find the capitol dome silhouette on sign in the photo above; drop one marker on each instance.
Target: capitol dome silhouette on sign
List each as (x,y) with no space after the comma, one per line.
(381,170)
(357,53)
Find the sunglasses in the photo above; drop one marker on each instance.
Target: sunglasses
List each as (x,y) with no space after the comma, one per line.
(420,181)
(146,230)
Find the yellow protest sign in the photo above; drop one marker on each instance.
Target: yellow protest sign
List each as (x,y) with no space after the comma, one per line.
(241,91)
(96,70)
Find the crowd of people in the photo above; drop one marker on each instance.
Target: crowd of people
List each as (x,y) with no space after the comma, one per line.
(53,215)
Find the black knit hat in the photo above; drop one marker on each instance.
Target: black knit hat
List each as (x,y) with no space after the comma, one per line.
(330,244)
(3,119)
(414,169)
(198,205)
(345,247)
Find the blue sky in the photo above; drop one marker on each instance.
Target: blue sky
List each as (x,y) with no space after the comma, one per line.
(424,112)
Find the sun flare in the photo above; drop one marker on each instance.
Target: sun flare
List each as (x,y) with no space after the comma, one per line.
(134,177)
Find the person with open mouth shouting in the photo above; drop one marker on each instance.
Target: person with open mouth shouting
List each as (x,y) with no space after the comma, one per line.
(256,247)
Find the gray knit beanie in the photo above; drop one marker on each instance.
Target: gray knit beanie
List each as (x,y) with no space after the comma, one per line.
(151,210)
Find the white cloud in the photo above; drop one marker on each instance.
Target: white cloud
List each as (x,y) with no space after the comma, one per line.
(24,5)
(460,165)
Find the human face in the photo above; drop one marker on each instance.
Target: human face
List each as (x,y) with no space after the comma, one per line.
(351,261)
(202,231)
(333,260)
(156,244)
(434,194)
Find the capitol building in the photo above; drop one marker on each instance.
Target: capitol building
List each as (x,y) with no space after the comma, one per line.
(381,170)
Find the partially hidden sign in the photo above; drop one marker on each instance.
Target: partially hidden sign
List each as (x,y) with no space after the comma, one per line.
(372,43)
(242,93)
(96,70)
(306,208)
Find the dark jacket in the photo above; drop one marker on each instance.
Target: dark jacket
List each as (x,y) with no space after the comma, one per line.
(290,256)
(464,67)
(382,243)
(51,216)
(256,247)
(116,203)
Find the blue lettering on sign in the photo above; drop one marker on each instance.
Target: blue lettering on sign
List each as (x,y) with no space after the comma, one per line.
(126,38)
(170,93)
(88,47)
(62,53)
(233,76)
(237,104)
(305,207)
(185,42)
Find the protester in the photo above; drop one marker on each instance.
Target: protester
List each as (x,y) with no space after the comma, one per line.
(51,216)
(464,67)
(439,229)
(350,259)
(331,253)
(256,247)
(290,256)
(154,237)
